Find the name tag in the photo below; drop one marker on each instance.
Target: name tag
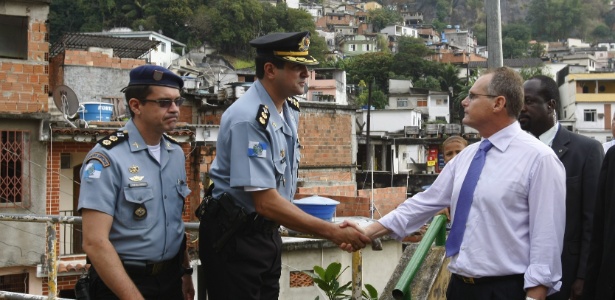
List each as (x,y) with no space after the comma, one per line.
(138,184)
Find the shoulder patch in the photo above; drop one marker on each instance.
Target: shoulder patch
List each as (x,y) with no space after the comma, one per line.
(171,139)
(293,103)
(262,116)
(100,157)
(113,139)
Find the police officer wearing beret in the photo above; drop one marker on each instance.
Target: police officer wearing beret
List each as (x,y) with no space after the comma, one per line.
(255,169)
(133,188)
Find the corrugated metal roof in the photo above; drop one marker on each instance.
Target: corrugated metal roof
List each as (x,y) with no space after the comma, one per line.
(122,47)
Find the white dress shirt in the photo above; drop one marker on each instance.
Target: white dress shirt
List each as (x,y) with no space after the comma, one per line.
(608,145)
(517,218)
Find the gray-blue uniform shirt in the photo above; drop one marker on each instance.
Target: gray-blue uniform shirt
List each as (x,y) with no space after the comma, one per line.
(121,178)
(257,148)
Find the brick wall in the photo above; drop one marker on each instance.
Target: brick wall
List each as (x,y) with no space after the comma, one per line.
(98,59)
(326,138)
(25,83)
(64,283)
(385,200)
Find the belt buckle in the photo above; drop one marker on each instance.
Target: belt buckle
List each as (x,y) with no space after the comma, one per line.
(468,280)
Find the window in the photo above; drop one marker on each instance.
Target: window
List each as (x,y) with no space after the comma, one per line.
(441,102)
(16,283)
(402,102)
(367,46)
(163,47)
(14,188)
(316,96)
(589,115)
(421,103)
(352,47)
(14,37)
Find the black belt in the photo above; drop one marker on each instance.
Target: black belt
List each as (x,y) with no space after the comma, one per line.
(141,267)
(479,280)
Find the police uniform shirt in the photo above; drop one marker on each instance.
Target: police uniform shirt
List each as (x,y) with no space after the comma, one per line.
(256,148)
(119,177)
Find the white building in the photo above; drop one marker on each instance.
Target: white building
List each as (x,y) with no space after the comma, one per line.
(164,54)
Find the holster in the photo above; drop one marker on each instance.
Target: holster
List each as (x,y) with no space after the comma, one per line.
(227,213)
(82,288)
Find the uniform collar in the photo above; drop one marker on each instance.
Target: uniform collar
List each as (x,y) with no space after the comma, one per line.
(136,142)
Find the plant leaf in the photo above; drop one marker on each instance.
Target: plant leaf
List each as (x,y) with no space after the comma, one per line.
(332,271)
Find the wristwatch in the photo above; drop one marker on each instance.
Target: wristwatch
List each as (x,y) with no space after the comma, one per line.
(188,271)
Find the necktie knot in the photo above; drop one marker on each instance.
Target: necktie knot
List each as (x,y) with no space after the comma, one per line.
(485,145)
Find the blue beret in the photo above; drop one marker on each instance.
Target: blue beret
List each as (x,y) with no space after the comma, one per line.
(289,46)
(154,75)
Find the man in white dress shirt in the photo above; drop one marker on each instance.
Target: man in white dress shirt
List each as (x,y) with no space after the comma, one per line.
(515,226)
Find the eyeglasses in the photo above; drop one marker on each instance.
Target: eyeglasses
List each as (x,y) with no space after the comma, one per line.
(472,96)
(166,103)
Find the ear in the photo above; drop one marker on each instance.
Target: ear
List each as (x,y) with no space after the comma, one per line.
(135,105)
(270,70)
(499,104)
(551,105)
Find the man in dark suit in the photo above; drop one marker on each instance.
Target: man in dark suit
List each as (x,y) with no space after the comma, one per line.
(600,279)
(582,157)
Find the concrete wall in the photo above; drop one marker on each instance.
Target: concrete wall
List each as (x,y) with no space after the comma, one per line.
(303,255)
(23,244)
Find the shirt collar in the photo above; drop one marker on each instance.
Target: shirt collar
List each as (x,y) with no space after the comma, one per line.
(502,138)
(548,136)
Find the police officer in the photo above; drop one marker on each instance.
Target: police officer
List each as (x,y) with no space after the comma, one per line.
(133,188)
(255,177)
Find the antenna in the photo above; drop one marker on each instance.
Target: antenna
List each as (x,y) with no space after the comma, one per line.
(66,101)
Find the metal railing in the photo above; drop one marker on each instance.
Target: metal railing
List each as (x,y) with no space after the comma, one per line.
(437,232)
(51,261)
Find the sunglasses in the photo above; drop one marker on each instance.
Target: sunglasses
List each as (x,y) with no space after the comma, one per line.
(166,103)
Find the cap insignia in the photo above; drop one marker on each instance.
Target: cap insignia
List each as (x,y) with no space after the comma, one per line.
(304,44)
(158,75)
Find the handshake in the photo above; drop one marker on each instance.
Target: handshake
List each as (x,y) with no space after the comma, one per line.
(351,237)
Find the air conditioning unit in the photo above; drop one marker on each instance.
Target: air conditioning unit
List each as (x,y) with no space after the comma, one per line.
(600,115)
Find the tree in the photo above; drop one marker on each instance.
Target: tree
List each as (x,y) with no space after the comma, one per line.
(383,17)
(429,82)
(374,65)
(527,73)
(379,99)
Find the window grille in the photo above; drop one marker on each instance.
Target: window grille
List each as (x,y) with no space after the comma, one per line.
(14,168)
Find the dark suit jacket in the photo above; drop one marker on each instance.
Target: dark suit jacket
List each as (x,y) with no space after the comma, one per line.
(582,158)
(600,279)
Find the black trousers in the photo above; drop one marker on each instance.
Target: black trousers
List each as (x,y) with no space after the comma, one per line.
(165,285)
(506,289)
(248,267)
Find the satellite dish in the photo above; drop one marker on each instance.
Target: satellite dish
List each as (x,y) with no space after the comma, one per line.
(66,100)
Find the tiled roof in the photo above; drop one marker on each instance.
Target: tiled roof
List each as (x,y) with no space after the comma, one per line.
(77,266)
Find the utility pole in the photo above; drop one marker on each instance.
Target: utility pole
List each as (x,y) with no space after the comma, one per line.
(368,146)
(494,33)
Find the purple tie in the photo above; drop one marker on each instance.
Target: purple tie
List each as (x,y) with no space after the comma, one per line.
(466,195)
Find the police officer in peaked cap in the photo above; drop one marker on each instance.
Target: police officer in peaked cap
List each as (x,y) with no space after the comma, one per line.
(255,176)
(133,189)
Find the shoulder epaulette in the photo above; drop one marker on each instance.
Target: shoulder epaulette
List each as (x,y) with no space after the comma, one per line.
(171,139)
(113,139)
(262,116)
(293,103)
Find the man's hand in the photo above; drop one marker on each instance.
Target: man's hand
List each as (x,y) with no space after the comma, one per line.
(354,237)
(446,212)
(576,291)
(187,287)
(537,292)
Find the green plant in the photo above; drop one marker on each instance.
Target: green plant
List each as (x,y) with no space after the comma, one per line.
(327,281)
